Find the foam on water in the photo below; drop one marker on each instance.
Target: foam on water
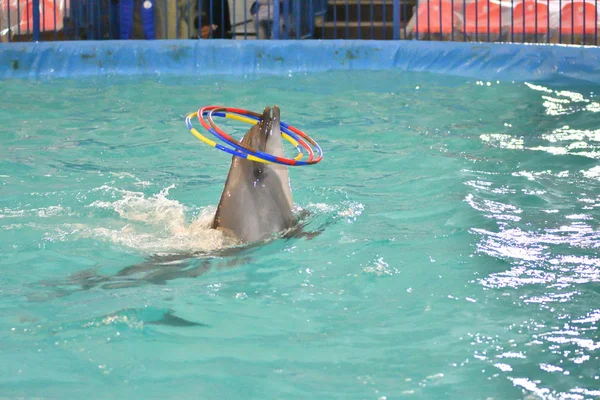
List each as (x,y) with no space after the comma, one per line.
(150,224)
(156,224)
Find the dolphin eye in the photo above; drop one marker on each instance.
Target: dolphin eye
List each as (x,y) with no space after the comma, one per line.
(258,171)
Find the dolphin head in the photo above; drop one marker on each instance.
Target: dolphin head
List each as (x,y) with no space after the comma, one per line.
(266,135)
(257,201)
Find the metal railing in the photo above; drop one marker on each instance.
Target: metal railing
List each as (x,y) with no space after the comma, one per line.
(526,21)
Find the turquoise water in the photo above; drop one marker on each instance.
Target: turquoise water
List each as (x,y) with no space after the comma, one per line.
(458,257)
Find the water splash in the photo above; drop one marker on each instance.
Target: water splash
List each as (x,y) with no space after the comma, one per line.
(158,225)
(153,224)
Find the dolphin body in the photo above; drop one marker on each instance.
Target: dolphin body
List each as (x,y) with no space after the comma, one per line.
(257,201)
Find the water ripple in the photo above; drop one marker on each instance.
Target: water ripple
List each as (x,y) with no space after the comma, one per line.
(458,255)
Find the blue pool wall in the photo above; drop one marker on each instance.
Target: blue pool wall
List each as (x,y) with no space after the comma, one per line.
(501,61)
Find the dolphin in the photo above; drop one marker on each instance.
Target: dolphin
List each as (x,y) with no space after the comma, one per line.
(257,200)
(255,204)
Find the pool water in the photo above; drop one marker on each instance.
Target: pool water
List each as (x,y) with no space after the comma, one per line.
(458,257)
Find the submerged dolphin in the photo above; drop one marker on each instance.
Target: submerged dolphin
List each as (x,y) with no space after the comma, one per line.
(257,201)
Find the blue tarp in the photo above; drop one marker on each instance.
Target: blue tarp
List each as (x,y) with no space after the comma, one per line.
(517,62)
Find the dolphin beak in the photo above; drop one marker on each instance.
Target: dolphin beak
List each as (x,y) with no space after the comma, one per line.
(267,123)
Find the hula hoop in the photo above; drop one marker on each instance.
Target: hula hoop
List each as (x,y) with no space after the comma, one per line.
(293,135)
(216,145)
(285,133)
(285,127)
(220,112)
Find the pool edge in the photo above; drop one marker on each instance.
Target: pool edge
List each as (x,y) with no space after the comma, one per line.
(501,61)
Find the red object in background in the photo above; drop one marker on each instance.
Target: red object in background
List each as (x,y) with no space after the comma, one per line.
(482,16)
(434,16)
(51,15)
(530,17)
(578,18)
